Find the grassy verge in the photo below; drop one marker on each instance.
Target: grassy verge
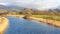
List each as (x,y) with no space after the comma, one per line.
(47,17)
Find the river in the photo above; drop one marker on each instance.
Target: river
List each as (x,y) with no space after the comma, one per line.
(22,26)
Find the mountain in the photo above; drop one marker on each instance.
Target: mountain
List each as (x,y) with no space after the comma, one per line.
(11,7)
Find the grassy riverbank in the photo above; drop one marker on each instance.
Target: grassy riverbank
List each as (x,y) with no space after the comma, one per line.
(57,18)
(48,19)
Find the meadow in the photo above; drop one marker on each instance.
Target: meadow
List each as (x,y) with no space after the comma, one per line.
(50,17)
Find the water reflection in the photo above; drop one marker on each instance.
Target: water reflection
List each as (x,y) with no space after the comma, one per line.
(22,26)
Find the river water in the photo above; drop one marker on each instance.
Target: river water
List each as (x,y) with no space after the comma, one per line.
(22,26)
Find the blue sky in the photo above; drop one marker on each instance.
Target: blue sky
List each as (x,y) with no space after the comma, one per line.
(39,4)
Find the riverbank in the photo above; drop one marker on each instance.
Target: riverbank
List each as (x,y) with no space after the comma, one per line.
(47,21)
(49,17)
(3,24)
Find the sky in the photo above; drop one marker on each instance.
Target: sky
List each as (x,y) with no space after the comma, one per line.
(38,4)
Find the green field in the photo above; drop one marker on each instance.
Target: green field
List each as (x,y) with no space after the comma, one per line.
(57,18)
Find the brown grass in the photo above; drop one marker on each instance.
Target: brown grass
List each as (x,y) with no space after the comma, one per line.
(3,25)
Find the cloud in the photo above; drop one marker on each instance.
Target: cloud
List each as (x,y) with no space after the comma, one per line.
(34,3)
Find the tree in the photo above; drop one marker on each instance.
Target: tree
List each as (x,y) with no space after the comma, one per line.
(27,13)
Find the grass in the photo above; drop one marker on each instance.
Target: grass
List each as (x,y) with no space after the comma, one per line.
(47,17)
